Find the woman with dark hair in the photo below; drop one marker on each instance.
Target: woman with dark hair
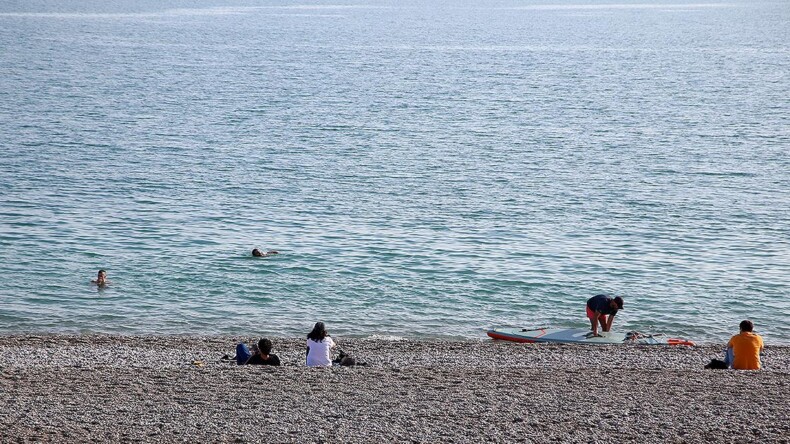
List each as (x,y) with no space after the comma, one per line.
(319,346)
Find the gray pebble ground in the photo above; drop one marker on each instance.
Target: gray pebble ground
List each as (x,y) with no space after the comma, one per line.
(107,389)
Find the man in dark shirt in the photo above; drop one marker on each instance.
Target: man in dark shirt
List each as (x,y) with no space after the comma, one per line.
(598,307)
(264,355)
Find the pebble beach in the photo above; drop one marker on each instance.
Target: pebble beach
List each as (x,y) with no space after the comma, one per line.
(88,388)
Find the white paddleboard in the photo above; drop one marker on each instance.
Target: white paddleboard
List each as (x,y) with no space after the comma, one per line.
(581,336)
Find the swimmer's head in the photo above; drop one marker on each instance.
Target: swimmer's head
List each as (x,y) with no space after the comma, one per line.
(101,277)
(257,253)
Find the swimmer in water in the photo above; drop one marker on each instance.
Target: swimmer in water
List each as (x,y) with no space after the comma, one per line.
(101,279)
(258,253)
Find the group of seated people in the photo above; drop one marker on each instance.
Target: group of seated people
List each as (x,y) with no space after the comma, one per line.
(743,351)
(319,351)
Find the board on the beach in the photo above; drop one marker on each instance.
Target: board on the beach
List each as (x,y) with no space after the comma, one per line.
(581,336)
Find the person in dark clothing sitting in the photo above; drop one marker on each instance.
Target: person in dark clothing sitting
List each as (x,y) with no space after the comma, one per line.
(264,355)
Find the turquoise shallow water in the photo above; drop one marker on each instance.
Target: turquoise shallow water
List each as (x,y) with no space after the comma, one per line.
(425,170)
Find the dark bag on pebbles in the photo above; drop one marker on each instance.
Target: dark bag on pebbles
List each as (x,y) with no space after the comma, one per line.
(345,360)
(716,364)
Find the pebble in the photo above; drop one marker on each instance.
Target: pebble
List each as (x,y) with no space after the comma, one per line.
(63,388)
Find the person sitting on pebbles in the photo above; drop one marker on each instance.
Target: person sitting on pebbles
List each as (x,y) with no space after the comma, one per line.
(319,346)
(743,350)
(262,356)
(101,279)
(258,253)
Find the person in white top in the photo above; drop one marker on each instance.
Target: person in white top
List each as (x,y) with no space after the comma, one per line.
(319,346)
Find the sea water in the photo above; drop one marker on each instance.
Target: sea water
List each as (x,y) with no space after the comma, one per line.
(425,169)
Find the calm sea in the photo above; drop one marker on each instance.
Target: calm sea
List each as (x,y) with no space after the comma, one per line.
(425,168)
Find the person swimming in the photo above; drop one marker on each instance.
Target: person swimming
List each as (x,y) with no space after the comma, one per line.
(101,279)
(258,253)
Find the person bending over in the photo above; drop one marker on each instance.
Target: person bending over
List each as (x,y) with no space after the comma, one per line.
(319,346)
(601,310)
(743,350)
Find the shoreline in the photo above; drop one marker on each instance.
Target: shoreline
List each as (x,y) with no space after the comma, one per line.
(119,388)
(482,336)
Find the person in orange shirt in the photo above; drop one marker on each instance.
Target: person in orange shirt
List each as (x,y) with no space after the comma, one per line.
(743,350)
